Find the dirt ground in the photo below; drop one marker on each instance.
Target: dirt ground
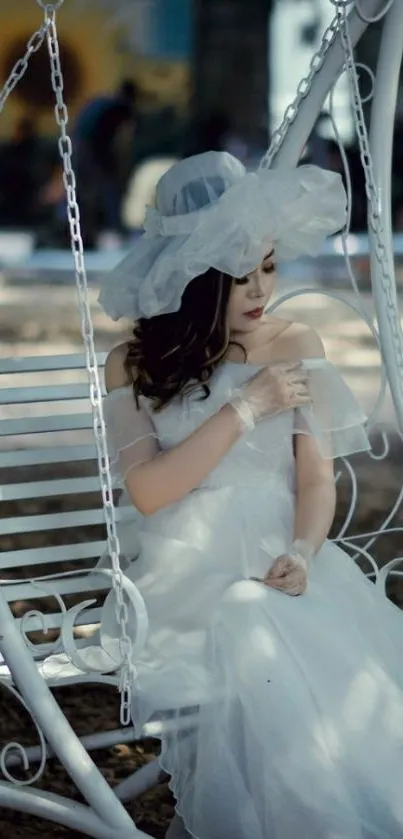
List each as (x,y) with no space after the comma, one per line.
(89,709)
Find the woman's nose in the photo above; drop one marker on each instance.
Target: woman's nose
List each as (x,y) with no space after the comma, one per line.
(255,285)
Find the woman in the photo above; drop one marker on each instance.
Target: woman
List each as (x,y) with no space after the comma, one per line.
(280,716)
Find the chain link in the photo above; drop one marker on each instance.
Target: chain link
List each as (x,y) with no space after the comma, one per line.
(20,67)
(303,89)
(387,281)
(128,671)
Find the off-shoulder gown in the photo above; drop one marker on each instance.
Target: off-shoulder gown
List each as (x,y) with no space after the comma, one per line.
(295,703)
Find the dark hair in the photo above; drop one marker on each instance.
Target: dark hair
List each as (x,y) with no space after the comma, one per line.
(171,354)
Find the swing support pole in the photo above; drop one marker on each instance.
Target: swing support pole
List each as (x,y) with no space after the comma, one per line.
(381,145)
(310,104)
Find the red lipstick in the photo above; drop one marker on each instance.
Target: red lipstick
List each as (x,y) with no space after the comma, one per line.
(255,313)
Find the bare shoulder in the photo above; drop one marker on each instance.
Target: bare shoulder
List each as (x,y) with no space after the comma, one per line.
(115,372)
(302,341)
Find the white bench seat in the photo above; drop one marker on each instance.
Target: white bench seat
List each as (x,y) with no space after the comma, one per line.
(52,534)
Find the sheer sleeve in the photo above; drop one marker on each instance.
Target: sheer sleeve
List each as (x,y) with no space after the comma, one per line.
(335,418)
(131,436)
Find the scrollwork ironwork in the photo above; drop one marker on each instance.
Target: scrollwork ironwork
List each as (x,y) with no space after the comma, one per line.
(14,746)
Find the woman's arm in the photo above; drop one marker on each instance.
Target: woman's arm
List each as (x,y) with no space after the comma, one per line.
(160,479)
(315,506)
(315,485)
(315,493)
(171,475)
(315,502)
(167,477)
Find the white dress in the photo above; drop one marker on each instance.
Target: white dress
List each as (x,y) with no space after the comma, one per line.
(297,702)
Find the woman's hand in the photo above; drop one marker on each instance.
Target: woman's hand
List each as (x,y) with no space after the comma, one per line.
(277,388)
(288,574)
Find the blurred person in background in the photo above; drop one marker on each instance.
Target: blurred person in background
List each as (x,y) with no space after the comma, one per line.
(53,228)
(19,175)
(103,131)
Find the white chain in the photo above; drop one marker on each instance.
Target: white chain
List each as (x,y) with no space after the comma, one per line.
(302,91)
(48,30)
(127,672)
(33,45)
(372,193)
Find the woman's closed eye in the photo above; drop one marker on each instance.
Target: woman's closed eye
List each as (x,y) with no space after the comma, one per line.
(267,268)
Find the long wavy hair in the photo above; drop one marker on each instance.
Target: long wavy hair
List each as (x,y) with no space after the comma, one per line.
(169,355)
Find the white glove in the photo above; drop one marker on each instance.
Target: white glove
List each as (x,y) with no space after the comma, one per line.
(302,552)
(289,573)
(278,388)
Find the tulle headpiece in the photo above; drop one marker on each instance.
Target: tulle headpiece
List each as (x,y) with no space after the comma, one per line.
(211,213)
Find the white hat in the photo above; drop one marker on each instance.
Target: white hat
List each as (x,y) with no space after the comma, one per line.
(211,213)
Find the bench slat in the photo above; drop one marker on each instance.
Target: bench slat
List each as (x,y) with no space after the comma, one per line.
(45,424)
(43,489)
(57,553)
(57,454)
(84,583)
(39,363)
(51,521)
(33,392)
(48,393)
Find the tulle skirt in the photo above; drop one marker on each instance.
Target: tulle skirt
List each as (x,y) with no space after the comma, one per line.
(280,717)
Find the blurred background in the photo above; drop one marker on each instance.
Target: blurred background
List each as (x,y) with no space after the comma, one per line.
(148,82)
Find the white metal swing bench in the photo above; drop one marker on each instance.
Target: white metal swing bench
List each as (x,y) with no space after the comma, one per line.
(47,413)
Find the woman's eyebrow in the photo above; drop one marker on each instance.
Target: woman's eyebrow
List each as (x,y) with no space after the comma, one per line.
(268,255)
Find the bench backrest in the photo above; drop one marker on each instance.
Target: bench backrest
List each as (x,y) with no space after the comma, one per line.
(51,517)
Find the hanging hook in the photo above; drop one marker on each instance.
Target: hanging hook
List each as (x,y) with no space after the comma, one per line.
(46,6)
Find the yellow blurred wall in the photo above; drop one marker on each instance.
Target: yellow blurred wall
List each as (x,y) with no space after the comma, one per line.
(87,30)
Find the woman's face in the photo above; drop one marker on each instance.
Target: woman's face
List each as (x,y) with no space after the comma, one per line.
(250,296)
